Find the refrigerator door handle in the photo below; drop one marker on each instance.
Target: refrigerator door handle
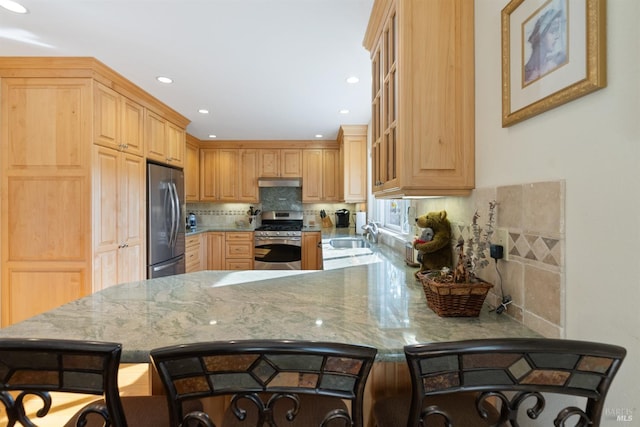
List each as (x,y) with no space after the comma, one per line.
(172,201)
(176,213)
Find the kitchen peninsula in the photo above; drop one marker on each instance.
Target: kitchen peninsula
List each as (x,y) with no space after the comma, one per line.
(376,304)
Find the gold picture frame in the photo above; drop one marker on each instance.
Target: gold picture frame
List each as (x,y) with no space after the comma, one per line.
(553,51)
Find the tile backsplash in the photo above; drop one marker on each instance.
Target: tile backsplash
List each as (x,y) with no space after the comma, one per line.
(534,275)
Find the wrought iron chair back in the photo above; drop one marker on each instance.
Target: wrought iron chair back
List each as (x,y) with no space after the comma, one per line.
(40,366)
(516,373)
(268,380)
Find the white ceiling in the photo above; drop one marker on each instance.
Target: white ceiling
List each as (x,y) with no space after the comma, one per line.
(265,69)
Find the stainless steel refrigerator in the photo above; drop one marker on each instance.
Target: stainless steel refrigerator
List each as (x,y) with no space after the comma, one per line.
(165,221)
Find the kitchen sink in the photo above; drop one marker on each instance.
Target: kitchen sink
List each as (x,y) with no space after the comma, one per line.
(349,243)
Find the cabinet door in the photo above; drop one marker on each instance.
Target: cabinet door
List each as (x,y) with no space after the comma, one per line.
(131,218)
(269,163)
(248,176)
(175,145)
(312,250)
(106,118)
(354,164)
(312,175)
(132,126)
(105,219)
(215,251)
(119,218)
(227,174)
(156,137)
(192,172)
(291,163)
(208,177)
(331,175)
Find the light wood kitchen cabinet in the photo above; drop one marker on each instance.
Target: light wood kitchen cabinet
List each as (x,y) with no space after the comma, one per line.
(312,250)
(45,145)
(193,253)
(422,124)
(321,175)
(353,162)
(232,250)
(248,176)
(228,175)
(118,122)
(119,218)
(72,181)
(238,250)
(215,250)
(165,141)
(285,163)
(192,169)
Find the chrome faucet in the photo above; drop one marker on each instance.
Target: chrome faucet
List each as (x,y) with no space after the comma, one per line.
(371,231)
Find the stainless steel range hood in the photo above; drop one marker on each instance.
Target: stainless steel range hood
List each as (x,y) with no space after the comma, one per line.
(279,182)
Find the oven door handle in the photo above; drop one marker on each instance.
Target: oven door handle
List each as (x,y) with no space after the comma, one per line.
(282,240)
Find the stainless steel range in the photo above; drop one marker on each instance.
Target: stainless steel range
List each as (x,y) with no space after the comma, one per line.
(278,241)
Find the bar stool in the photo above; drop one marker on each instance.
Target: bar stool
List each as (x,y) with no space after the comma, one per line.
(37,367)
(496,381)
(277,382)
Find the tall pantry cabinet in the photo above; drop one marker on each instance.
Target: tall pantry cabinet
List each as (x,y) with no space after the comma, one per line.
(72,189)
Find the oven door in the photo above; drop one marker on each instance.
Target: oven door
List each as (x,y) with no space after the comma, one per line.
(277,253)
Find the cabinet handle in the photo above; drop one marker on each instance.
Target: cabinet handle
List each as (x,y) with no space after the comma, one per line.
(319,244)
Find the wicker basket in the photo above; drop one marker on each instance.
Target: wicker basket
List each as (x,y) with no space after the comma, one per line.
(454,299)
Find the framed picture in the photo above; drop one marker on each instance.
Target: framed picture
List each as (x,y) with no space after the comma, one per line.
(553,51)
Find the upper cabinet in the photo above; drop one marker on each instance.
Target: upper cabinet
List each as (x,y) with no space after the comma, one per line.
(228,175)
(118,121)
(321,176)
(422,125)
(192,169)
(353,160)
(165,141)
(274,162)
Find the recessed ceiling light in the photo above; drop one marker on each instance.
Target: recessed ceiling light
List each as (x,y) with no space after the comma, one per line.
(319,135)
(213,136)
(13,6)
(344,111)
(353,79)
(163,79)
(203,111)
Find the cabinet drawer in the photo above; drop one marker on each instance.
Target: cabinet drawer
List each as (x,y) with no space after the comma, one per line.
(239,249)
(191,267)
(239,235)
(239,264)
(190,241)
(192,254)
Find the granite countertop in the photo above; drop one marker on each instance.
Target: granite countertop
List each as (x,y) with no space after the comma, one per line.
(377,303)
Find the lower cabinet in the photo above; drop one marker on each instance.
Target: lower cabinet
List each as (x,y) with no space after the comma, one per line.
(193,253)
(312,250)
(231,250)
(238,252)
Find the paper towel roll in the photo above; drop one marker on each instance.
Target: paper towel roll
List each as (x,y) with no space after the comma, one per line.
(361,220)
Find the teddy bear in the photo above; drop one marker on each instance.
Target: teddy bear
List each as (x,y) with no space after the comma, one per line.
(437,252)
(426,236)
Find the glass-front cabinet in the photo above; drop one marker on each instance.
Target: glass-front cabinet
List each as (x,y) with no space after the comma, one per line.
(422,99)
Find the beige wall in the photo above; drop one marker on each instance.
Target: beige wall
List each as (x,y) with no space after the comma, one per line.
(593,145)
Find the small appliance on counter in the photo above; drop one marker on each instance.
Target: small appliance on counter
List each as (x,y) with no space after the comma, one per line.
(361,220)
(342,218)
(192,222)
